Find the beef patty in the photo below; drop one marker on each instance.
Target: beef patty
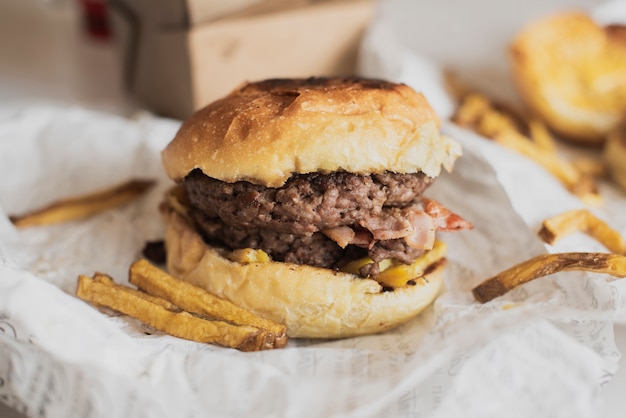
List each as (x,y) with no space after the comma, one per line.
(287,222)
(314,250)
(307,203)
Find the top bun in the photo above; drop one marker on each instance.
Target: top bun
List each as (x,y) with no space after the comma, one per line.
(266,131)
(570,71)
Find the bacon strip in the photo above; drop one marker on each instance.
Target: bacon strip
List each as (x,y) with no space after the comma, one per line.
(342,235)
(445,219)
(423,231)
(417,227)
(391,224)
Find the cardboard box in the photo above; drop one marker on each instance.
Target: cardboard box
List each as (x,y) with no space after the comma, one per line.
(179,55)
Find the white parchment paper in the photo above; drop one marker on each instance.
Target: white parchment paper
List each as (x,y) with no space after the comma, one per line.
(61,357)
(543,350)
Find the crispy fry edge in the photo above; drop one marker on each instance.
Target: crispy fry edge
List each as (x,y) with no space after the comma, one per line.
(581,220)
(84,206)
(102,291)
(189,297)
(545,265)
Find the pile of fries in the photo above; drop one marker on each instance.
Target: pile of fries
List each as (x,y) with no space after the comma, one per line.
(530,137)
(553,229)
(181,309)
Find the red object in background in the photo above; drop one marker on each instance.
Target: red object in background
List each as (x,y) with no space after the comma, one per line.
(95,18)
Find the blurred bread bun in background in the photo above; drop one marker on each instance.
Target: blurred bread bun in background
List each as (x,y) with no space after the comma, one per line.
(571,72)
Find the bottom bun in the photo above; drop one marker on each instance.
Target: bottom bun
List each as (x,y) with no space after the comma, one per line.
(312,302)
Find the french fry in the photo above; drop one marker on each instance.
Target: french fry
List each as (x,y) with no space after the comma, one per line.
(559,168)
(578,184)
(107,280)
(581,220)
(540,134)
(165,316)
(590,167)
(472,109)
(83,206)
(493,123)
(545,265)
(552,230)
(194,299)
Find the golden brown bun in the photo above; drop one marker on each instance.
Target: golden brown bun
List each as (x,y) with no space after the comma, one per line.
(572,73)
(311,302)
(615,156)
(264,132)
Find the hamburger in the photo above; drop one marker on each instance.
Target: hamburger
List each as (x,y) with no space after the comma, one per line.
(302,201)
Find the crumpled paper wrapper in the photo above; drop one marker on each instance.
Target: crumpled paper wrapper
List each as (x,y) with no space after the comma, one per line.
(543,350)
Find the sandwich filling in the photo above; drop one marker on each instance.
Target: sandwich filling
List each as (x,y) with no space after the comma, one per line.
(323,220)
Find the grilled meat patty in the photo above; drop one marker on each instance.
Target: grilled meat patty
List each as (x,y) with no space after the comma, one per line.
(323,220)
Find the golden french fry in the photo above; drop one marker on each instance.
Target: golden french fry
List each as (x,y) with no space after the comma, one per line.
(560,168)
(581,220)
(194,299)
(475,107)
(590,167)
(495,123)
(163,316)
(540,134)
(108,281)
(582,186)
(545,265)
(83,206)
(472,109)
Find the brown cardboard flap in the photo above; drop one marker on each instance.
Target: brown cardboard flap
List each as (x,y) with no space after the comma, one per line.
(254,8)
(320,39)
(174,68)
(203,11)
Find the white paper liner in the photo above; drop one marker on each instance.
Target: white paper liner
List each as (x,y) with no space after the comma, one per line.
(61,357)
